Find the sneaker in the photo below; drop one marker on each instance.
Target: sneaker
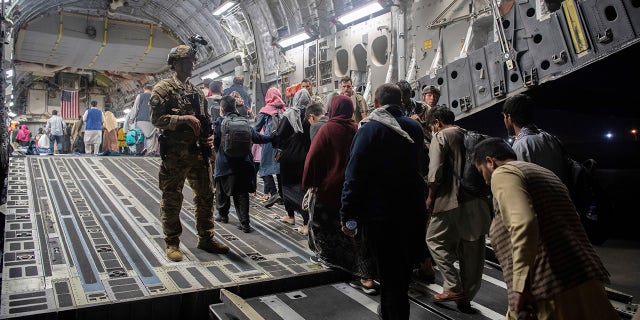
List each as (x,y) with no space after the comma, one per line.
(272,200)
(213,246)
(245,229)
(358,285)
(289,220)
(221,218)
(174,253)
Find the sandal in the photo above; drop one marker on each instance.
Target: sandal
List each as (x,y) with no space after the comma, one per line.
(286,219)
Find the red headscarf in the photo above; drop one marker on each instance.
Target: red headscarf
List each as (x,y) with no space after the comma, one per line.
(273,102)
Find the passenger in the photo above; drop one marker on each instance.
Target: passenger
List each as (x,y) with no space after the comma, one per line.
(241,108)
(23,136)
(459,221)
(307,84)
(66,139)
(411,107)
(141,119)
(359,105)
(268,166)
(238,85)
(110,133)
(550,268)
(430,97)
(316,117)
(234,175)
(324,170)
(42,140)
(77,136)
(215,88)
(530,143)
(93,119)
(56,128)
(175,104)
(292,137)
(384,195)
(122,141)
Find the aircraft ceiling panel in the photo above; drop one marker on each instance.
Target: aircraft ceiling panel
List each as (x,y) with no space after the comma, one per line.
(127,49)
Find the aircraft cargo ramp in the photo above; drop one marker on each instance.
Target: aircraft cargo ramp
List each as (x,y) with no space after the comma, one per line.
(83,240)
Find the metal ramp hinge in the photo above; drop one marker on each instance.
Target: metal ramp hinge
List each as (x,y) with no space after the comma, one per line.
(465,103)
(607,37)
(531,78)
(559,59)
(498,88)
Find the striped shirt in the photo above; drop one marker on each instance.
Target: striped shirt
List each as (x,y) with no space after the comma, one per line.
(537,234)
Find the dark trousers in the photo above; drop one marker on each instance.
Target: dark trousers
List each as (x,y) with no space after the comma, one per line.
(240,202)
(270,185)
(390,247)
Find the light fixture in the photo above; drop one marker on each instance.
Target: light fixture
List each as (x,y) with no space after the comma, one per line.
(11,114)
(211,75)
(9,73)
(299,37)
(361,12)
(224,7)
(126,110)
(11,104)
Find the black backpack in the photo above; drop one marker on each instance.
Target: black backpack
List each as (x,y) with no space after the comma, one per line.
(588,196)
(472,181)
(236,136)
(276,119)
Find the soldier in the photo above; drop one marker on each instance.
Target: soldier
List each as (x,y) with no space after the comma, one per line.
(179,110)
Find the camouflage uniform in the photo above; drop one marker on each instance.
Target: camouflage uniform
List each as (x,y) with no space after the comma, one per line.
(182,157)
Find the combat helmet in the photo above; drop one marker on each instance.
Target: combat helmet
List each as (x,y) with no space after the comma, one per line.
(180,52)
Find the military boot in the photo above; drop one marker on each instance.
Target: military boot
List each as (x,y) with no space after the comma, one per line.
(174,253)
(212,246)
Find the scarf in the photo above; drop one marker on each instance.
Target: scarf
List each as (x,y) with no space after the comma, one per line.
(273,102)
(300,101)
(384,117)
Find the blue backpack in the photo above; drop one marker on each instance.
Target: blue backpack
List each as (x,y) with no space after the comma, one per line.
(134,136)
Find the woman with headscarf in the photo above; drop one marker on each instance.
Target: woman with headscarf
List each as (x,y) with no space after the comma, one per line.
(292,137)
(324,170)
(264,125)
(109,133)
(23,136)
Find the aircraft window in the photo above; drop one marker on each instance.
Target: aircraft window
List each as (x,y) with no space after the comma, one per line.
(342,62)
(537,38)
(360,57)
(440,81)
(506,24)
(545,64)
(379,48)
(610,13)
(478,66)
(454,74)
(514,78)
(531,12)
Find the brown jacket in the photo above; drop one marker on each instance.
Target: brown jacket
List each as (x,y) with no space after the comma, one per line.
(537,234)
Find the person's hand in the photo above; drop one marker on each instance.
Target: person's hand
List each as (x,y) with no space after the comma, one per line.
(192,122)
(347,232)
(429,204)
(415,117)
(525,303)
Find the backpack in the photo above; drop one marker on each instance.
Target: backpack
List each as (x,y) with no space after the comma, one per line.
(134,136)
(471,180)
(275,122)
(214,108)
(236,136)
(589,198)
